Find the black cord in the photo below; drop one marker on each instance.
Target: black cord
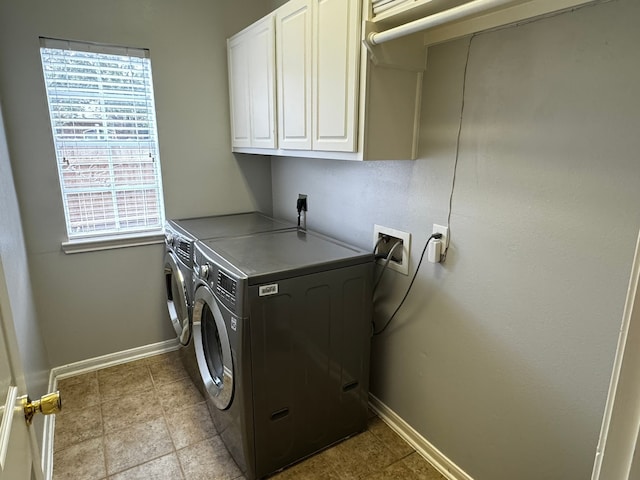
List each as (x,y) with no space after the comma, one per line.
(382,238)
(435,235)
(455,163)
(387,258)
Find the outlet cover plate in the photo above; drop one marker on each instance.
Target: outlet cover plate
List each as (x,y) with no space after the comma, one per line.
(401,267)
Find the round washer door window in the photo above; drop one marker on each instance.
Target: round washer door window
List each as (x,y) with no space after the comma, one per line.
(177,298)
(213,350)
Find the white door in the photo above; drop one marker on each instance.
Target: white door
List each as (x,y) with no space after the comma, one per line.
(335,72)
(293,64)
(617,451)
(18,448)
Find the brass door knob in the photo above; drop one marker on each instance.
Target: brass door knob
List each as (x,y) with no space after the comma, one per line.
(48,404)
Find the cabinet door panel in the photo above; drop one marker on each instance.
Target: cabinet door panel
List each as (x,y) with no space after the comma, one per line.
(262,84)
(335,72)
(293,59)
(237,49)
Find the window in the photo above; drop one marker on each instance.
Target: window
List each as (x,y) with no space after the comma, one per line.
(104,130)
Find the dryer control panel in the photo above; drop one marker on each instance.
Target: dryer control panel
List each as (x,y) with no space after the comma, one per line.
(179,244)
(226,287)
(223,283)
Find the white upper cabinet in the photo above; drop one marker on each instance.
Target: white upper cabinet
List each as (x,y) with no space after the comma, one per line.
(251,63)
(294,49)
(331,100)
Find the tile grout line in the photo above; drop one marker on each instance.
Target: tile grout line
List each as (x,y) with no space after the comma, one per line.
(146,460)
(104,434)
(166,421)
(166,414)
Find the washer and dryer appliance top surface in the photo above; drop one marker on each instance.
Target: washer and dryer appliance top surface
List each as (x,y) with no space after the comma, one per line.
(203,228)
(282,254)
(180,236)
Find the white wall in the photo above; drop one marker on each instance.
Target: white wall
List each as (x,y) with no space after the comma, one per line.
(502,356)
(97,303)
(13,256)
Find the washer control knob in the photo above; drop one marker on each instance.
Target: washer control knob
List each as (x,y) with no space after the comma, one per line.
(203,272)
(170,239)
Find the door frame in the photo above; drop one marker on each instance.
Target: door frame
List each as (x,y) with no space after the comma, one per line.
(621,422)
(15,364)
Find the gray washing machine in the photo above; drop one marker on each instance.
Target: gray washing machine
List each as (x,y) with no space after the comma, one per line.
(281,329)
(180,236)
(178,274)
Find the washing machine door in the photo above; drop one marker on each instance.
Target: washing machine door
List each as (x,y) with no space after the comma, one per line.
(213,350)
(177,298)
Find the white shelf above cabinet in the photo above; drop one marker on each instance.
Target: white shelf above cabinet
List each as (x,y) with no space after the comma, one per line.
(402,11)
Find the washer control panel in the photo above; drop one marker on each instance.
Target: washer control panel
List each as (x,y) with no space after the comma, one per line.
(179,244)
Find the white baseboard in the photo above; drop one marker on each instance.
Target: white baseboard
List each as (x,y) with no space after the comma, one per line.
(422,446)
(86,366)
(434,456)
(109,360)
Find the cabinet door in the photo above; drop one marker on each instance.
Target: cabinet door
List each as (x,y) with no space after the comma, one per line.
(251,63)
(293,63)
(238,64)
(262,83)
(335,71)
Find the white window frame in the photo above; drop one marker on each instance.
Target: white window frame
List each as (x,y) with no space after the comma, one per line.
(113,196)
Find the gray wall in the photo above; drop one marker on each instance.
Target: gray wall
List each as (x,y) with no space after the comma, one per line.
(502,356)
(96,303)
(13,255)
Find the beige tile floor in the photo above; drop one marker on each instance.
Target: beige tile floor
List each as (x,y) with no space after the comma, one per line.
(146,420)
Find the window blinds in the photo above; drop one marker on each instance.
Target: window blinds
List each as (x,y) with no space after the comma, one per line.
(104,130)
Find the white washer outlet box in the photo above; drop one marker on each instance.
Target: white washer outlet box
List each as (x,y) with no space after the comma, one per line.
(401,255)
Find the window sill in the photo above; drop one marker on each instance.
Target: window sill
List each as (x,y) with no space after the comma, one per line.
(108,243)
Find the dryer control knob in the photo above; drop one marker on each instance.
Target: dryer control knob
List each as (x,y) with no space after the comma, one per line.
(204,271)
(170,239)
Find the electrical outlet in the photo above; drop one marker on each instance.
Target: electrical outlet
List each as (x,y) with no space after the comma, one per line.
(302,206)
(445,235)
(400,256)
